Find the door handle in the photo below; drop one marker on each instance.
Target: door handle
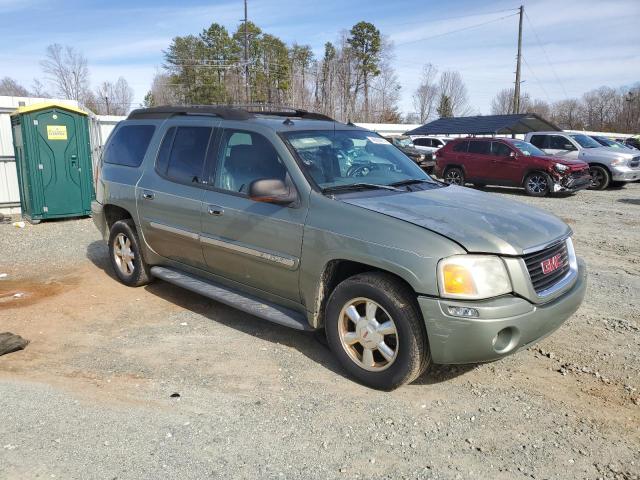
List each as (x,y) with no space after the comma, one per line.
(215,210)
(148,195)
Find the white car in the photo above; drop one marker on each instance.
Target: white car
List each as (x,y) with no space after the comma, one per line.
(607,165)
(429,144)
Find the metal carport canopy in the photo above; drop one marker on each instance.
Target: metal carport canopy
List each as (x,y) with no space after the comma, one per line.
(520,123)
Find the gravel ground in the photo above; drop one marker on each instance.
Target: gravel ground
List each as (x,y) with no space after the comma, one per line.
(157,382)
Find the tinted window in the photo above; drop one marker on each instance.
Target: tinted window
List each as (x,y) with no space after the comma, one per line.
(423,142)
(165,150)
(584,141)
(460,147)
(186,153)
(560,143)
(128,145)
(500,149)
(245,157)
(538,140)
(480,147)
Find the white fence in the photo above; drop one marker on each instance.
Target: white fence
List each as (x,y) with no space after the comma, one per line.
(100,127)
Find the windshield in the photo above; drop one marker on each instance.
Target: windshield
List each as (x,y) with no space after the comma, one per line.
(339,158)
(609,143)
(528,149)
(585,142)
(403,142)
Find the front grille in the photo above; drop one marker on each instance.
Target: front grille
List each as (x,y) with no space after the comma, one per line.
(539,279)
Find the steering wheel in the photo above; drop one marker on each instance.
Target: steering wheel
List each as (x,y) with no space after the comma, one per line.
(358,171)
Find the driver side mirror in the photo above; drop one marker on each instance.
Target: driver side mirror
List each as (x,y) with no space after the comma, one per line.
(568,146)
(272,190)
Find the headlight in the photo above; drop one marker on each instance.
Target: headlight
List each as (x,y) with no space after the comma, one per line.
(618,161)
(421,157)
(473,277)
(560,167)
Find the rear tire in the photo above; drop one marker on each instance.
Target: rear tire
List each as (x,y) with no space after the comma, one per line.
(126,255)
(454,176)
(600,177)
(537,184)
(376,331)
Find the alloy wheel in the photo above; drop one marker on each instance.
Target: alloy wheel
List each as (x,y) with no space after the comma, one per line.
(597,177)
(123,254)
(368,334)
(537,184)
(453,177)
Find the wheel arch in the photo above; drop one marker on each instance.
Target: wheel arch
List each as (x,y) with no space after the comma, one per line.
(336,271)
(114,213)
(533,170)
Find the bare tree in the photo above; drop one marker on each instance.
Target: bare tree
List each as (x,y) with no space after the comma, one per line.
(567,113)
(163,92)
(39,90)
(67,70)
(113,98)
(452,86)
(502,103)
(425,96)
(11,88)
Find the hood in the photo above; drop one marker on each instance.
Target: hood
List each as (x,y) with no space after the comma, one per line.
(606,153)
(412,151)
(574,163)
(479,221)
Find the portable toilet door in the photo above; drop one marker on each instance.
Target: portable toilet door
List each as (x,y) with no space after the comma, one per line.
(53,157)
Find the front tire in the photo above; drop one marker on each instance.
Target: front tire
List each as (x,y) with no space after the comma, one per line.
(376,331)
(454,176)
(600,177)
(537,184)
(126,256)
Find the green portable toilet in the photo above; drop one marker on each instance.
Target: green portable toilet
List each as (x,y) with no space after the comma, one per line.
(53,160)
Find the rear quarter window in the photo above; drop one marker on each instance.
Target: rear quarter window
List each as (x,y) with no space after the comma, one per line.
(538,140)
(129,145)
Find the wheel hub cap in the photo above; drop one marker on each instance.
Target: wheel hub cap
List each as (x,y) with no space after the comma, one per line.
(368,334)
(123,254)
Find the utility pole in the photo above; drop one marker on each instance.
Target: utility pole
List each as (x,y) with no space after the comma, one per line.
(246,56)
(106,101)
(516,90)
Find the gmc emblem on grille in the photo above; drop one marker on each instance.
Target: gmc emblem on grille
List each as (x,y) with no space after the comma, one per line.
(551,264)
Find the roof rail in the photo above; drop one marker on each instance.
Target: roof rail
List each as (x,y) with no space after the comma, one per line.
(229,112)
(170,111)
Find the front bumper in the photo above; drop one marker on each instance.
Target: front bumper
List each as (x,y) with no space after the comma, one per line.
(427,165)
(572,183)
(625,174)
(99,219)
(505,324)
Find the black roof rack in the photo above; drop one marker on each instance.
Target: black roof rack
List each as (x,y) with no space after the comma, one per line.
(235,112)
(170,111)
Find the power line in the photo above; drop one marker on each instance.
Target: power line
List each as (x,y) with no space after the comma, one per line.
(442,19)
(457,30)
(537,80)
(546,55)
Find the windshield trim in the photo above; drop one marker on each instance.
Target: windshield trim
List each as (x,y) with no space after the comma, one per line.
(283,135)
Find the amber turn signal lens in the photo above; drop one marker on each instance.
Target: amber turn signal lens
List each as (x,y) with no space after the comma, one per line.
(458,280)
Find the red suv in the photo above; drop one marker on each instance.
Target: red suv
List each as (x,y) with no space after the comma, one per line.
(514,163)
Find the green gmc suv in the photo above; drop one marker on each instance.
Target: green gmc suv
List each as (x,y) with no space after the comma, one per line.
(314,224)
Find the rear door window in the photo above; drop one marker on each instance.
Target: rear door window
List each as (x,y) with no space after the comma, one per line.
(539,141)
(480,147)
(422,142)
(129,145)
(460,147)
(182,154)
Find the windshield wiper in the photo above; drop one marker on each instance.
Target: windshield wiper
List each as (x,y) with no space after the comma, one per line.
(409,181)
(360,185)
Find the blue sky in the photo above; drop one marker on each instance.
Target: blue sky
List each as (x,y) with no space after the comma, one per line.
(589,42)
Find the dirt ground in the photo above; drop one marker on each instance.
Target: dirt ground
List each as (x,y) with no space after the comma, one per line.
(156,382)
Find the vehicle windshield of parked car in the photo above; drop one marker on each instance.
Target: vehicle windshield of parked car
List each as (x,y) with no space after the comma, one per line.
(403,142)
(585,142)
(609,143)
(343,158)
(528,149)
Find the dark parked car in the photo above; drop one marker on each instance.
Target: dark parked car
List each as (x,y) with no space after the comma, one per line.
(515,163)
(405,144)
